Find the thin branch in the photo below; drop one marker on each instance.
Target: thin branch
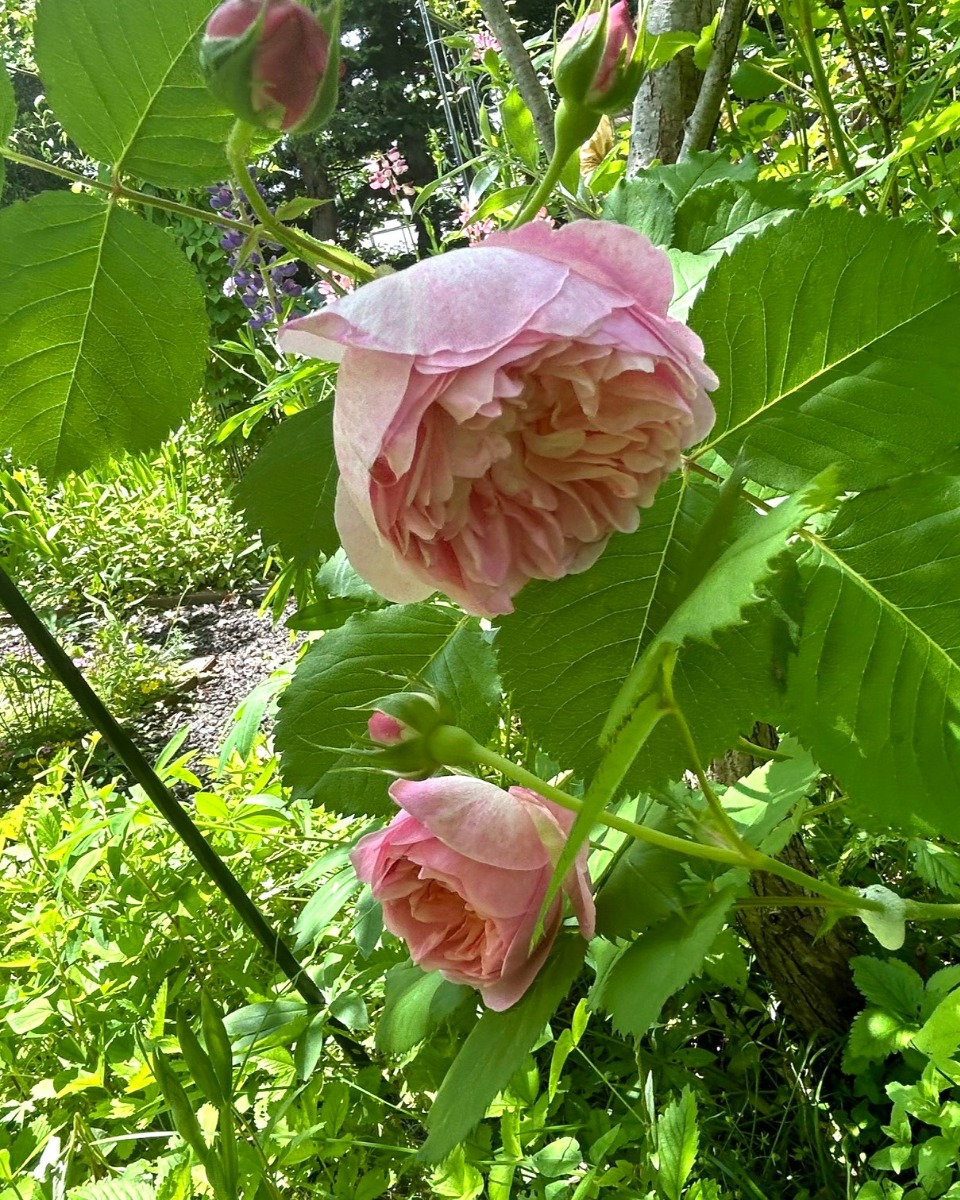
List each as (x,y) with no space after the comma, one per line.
(706,113)
(528,85)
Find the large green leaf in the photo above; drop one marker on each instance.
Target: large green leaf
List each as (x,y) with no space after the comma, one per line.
(834,337)
(636,984)
(875,687)
(103,333)
(566,650)
(495,1050)
(718,585)
(124,81)
(719,216)
(323,713)
(289,492)
(8,114)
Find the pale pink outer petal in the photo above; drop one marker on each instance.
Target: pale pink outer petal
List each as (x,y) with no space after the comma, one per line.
(372,557)
(436,306)
(374,852)
(475,818)
(520,968)
(602,251)
(577,883)
(491,891)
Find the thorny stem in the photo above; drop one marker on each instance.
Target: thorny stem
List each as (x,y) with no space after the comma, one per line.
(331,257)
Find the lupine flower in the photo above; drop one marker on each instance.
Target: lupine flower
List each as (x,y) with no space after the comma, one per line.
(249,281)
(482,42)
(384,172)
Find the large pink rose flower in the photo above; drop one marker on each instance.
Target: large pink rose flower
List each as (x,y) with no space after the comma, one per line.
(502,410)
(461,873)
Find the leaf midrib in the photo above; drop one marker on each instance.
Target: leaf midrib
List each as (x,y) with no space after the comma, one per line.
(824,370)
(97,274)
(883,601)
(148,109)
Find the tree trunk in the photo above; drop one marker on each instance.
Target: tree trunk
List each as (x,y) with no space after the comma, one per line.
(668,95)
(809,975)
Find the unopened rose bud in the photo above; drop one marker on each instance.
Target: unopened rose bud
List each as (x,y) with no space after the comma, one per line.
(414,736)
(388,731)
(596,65)
(274,62)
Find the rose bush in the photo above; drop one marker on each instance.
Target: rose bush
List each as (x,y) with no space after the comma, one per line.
(461,873)
(501,410)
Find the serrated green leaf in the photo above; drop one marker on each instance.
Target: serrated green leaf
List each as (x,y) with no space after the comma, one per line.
(810,375)
(875,687)
(103,334)
(636,985)
(124,81)
(761,802)
(889,984)
(288,493)
(565,651)
(698,170)
(495,1049)
(346,670)
(8,115)
(643,887)
(678,1139)
(722,214)
(727,589)
(645,205)
(940,1035)
(875,1034)
(517,123)
(414,1005)
(130,1186)
(690,273)
(321,909)
(937,865)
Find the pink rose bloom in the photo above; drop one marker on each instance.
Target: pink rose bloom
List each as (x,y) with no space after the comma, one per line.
(621,38)
(502,410)
(461,873)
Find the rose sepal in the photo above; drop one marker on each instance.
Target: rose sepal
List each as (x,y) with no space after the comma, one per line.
(228,66)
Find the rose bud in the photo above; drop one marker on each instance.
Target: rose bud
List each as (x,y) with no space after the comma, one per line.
(414,736)
(274,62)
(461,873)
(388,731)
(596,64)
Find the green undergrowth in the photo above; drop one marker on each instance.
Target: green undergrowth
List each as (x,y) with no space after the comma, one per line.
(115,941)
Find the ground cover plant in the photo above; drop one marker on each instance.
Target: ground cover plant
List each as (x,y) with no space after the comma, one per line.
(606,840)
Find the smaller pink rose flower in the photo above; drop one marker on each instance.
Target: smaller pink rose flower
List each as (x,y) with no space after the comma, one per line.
(461,873)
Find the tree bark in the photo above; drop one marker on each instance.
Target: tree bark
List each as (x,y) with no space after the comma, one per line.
(706,112)
(667,96)
(528,85)
(809,974)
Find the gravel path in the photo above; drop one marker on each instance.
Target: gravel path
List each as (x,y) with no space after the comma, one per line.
(232,648)
(228,647)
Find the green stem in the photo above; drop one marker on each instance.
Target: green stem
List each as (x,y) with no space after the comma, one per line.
(918,910)
(121,192)
(571,128)
(808,42)
(752,859)
(726,827)
(763,752)
(321,253)
(90,704)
